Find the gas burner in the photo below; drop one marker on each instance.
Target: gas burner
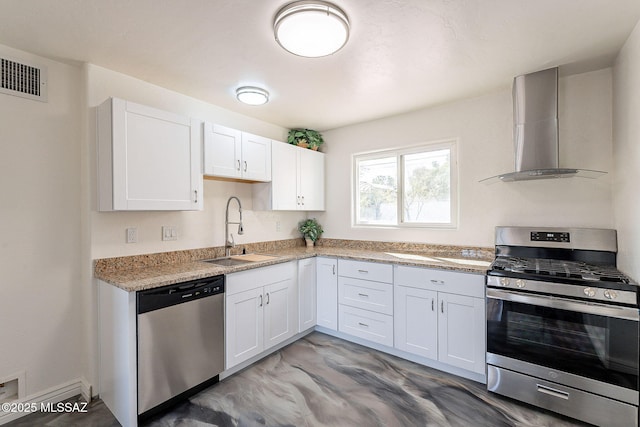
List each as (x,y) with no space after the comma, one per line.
(551,268)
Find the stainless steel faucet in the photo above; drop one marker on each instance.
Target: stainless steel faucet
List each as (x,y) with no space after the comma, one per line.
(231,243)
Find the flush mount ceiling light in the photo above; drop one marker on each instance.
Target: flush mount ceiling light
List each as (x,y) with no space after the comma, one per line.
(252,95)
(311,28)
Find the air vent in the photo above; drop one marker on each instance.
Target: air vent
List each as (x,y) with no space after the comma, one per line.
(24,80)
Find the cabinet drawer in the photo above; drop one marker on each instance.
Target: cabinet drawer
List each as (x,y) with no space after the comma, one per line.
(468,284)
(365,270)
(365,294)
(365,324)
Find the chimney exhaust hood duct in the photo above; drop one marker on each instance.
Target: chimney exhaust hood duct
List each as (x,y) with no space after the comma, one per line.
(535,130)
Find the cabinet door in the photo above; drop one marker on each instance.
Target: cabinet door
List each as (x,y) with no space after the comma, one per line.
(280,312)
(256,157)
(307,293)
(461,331)
(222,151)
(244,326)
(416,321)
(284,190)
(148,159)
(311,180)
(327,292)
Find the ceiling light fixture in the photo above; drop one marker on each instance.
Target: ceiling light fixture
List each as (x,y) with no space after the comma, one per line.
(311,28)
(252,95)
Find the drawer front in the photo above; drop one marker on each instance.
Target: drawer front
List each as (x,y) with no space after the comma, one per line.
(365,270)
(365,294)
(366,324)
(468,284)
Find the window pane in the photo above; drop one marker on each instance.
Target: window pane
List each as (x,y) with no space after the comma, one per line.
(377,191)
(427,183)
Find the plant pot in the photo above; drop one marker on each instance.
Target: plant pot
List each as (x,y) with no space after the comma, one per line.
(309,243)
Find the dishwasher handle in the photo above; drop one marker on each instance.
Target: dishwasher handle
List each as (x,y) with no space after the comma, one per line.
(166,296)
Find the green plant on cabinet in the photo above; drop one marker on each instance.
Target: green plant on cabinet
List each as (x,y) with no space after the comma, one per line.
(305,138)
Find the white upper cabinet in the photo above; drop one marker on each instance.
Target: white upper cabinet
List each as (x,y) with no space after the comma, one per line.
(297,181)
(148,159)
(310,179)
(230,153)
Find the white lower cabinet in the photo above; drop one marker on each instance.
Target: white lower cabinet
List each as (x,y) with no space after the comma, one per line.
(327,292)
(261,310)
(440,315)
(365,300)
(306,294)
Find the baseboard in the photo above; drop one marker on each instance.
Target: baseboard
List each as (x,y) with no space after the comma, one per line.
(55,394)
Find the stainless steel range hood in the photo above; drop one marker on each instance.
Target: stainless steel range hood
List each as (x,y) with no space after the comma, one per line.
(535,130)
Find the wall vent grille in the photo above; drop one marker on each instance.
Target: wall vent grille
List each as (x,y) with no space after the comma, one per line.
(24,80)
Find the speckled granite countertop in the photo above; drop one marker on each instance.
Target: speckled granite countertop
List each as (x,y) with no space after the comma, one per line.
(148,271)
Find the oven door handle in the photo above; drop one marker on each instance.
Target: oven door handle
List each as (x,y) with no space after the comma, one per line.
(618,312)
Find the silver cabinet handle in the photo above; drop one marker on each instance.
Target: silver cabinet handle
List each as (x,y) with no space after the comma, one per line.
(364,295)
(196,200)
(442,306)
(432,309)
(363,324)
(437,282)
(268,298)
(302,200)
(260,301)
(552,392)
(298,200)
(238,165)
(334,269)
(245,165)
(363,271)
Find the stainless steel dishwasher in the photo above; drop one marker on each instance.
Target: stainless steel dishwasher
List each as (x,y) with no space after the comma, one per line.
(180,341)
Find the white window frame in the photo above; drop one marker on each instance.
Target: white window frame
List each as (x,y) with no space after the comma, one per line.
(399,153)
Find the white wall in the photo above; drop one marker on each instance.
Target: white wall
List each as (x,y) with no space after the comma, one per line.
(626,148)
(195,229)
(40,236)
(483,128)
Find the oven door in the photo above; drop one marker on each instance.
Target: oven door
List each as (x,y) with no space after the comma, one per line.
(571,339)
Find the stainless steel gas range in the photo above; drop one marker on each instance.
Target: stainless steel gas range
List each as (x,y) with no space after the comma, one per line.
(562,324)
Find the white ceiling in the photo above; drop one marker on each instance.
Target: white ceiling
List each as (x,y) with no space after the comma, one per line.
(402,54)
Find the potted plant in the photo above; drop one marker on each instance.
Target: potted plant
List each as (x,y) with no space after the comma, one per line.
(305,138)
(310,230)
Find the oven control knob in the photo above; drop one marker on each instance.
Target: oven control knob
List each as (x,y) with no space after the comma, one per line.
(520,283)
(504,281)
(589,292)
(610,294)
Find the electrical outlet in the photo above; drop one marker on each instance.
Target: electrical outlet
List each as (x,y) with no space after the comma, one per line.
(169,233)
(132,235)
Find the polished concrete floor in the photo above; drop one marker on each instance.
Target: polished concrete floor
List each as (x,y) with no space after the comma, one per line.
(325,381)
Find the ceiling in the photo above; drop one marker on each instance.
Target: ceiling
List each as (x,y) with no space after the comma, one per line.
(402,55)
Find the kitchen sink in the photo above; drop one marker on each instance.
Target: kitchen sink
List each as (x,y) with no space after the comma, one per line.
(239,259)
(227,262)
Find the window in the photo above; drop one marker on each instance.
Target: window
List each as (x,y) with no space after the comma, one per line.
(410,187)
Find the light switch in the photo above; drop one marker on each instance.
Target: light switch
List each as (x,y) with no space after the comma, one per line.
(169,233)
